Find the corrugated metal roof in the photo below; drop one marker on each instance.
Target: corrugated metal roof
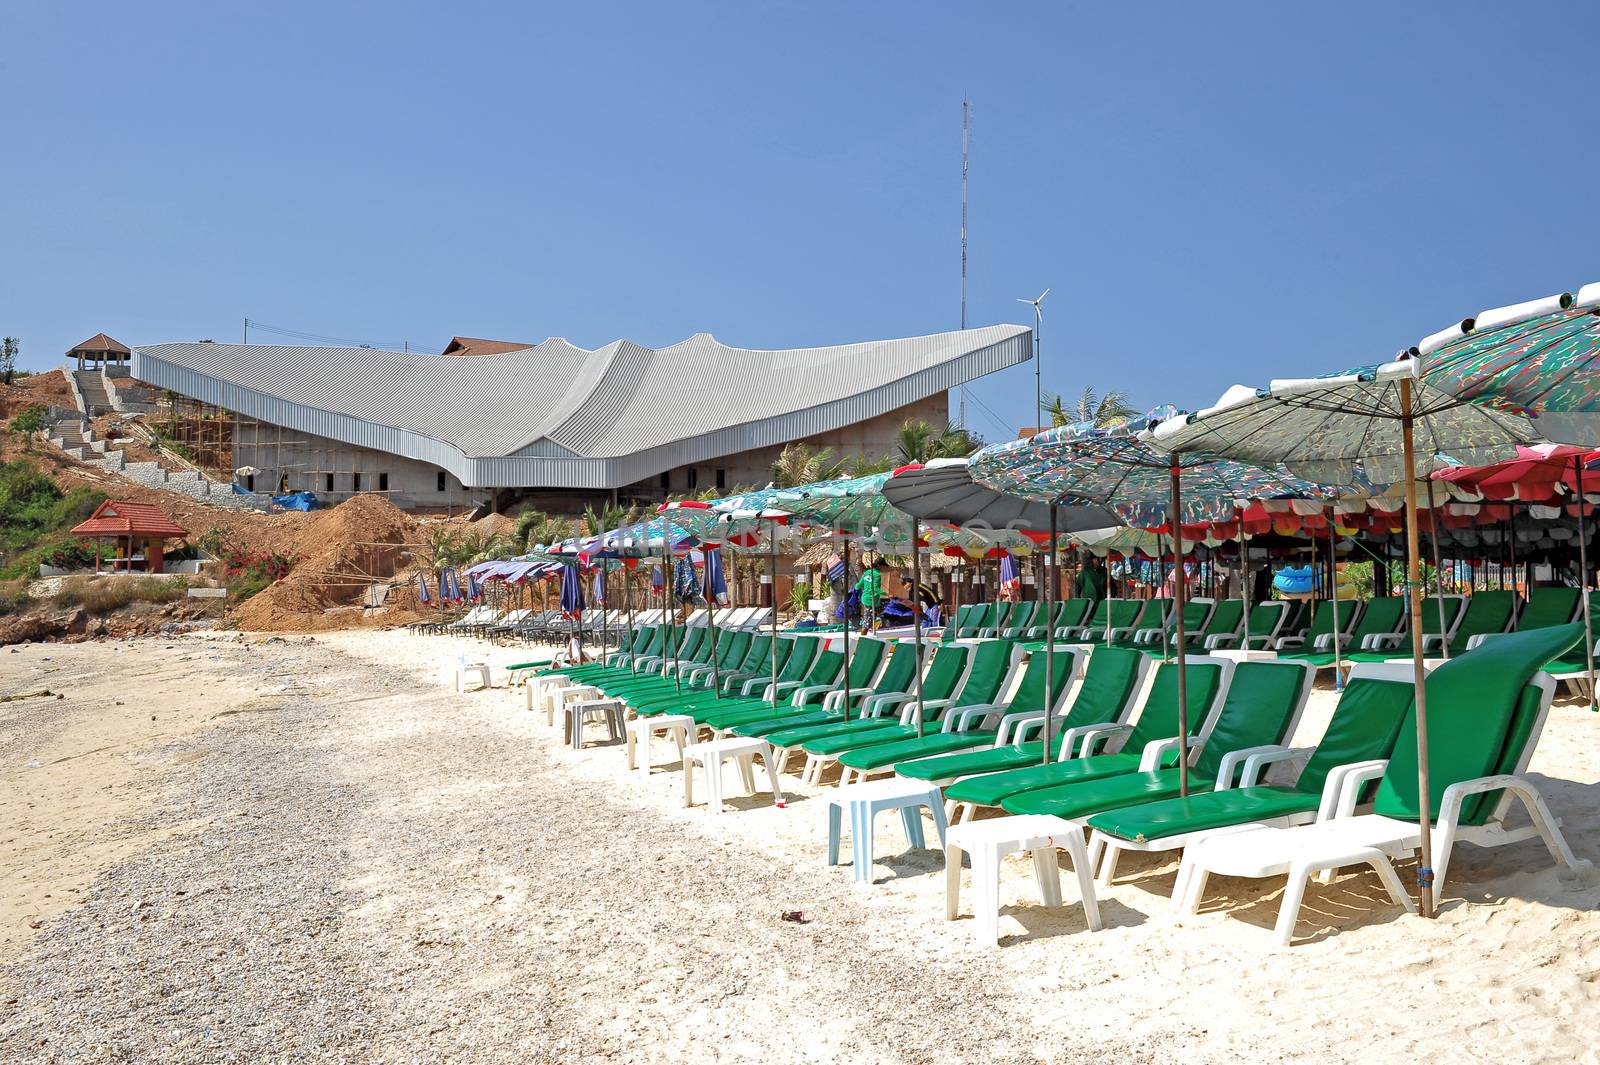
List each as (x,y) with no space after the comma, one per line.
(555,415)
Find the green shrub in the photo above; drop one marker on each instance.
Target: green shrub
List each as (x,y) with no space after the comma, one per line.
(246,585)
(32,507)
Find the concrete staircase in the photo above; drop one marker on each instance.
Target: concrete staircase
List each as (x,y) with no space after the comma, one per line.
(75,437)
(92,393)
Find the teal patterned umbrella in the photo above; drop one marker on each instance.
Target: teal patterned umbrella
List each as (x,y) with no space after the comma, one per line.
(1330,429)
(1145,487)
(1540,358)
(1080,464)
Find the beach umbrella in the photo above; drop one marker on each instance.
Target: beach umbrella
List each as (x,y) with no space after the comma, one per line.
(422,588)
(857,506)
(1112,467)
(943,491)
(572,604)
(1384,420)
(733,520)
(1540,358)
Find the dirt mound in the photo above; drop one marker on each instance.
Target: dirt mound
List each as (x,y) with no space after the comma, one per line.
(494,525)
(339,552)
(50,388)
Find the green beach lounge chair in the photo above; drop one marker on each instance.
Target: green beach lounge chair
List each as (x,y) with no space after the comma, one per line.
(1155,726)
(1486,710)
(991,667)
(966,725)
(821,690)
(1104,698)
(941,678)
(1384,616)
(895,677)
(1262,629)
(1322,624)
(1261,710)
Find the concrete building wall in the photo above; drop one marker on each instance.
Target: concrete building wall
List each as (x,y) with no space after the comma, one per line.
(292,461)
(287,460)
(873,437)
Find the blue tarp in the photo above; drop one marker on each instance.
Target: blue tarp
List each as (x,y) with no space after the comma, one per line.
(295,501)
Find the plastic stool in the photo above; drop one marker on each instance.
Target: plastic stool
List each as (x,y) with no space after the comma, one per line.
(711,754)
(870,798)
(465,668)
(580,711)
(641,729)
(986,842)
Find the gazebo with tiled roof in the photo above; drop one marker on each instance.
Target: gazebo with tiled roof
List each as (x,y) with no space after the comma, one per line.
(102,349)
(130,527)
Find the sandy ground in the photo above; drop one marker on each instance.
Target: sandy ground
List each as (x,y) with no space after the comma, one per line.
(318,851)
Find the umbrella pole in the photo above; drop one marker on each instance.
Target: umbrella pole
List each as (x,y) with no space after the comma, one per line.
(772,563)
(1338,630)
(916,617)
(1179,580)
(1419,671)
(605,635)
(1438,571)
(1244,574)
(846,630)
(1583,582)
(1166,636)
(711,618)
(1049,635)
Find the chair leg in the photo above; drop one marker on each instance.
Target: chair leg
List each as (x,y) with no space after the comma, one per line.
(861,840)
(633,743)
(952,882)
(747,775)
(1074,846)
(1047,874)
(1289,911)
(834,816)
(772,778)
(713,768)
(688,782)
(940,824)
(986,892)
(911,819)
(1109,855)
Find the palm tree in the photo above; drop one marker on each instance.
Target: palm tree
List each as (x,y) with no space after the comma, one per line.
(918,441)
(804,464)
(1103,412)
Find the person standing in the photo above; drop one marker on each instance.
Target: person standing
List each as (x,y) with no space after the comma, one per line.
(1092,580)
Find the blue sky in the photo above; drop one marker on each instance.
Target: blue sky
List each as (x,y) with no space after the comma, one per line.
(1214,193)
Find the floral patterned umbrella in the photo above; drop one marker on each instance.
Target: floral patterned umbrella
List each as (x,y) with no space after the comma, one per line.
(1540,358)
(1329,429)
(1142,485)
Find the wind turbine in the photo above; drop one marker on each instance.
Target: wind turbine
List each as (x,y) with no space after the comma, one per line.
(1038,354)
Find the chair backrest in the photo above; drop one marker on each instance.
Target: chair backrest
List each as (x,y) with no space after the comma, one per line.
(1550,606)
(1196,612)
(1322,623)
(757,655)
(1123,613)
(1152,614)
(1158,718)
(1299,618)
(898,673)
(1377,697)
(982,618)
(1431,614)
(992,663)
(779,651)
(1263,706)
(1480,720)
(731,648)
(825,668)
(1029,693)
(1102,612)
(1111,681)
(944,673)
(1225,617)
(1485,612)
(1003,614)
(1384,616)
(1070,612)
(699,617)
(800,657)
(1023,616)
(866,655)
(1266,619)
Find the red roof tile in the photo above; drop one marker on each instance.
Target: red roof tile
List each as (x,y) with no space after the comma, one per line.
(116,518)
(479,346)
(100,342)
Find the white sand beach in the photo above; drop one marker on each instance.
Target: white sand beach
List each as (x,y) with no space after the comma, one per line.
(313,849)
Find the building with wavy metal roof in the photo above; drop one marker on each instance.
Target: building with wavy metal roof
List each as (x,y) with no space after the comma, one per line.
(554,417)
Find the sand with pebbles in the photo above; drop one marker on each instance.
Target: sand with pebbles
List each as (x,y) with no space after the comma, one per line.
(317,851)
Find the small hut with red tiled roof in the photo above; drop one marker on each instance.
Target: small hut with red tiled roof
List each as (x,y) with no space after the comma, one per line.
(130,527)
(102,349)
